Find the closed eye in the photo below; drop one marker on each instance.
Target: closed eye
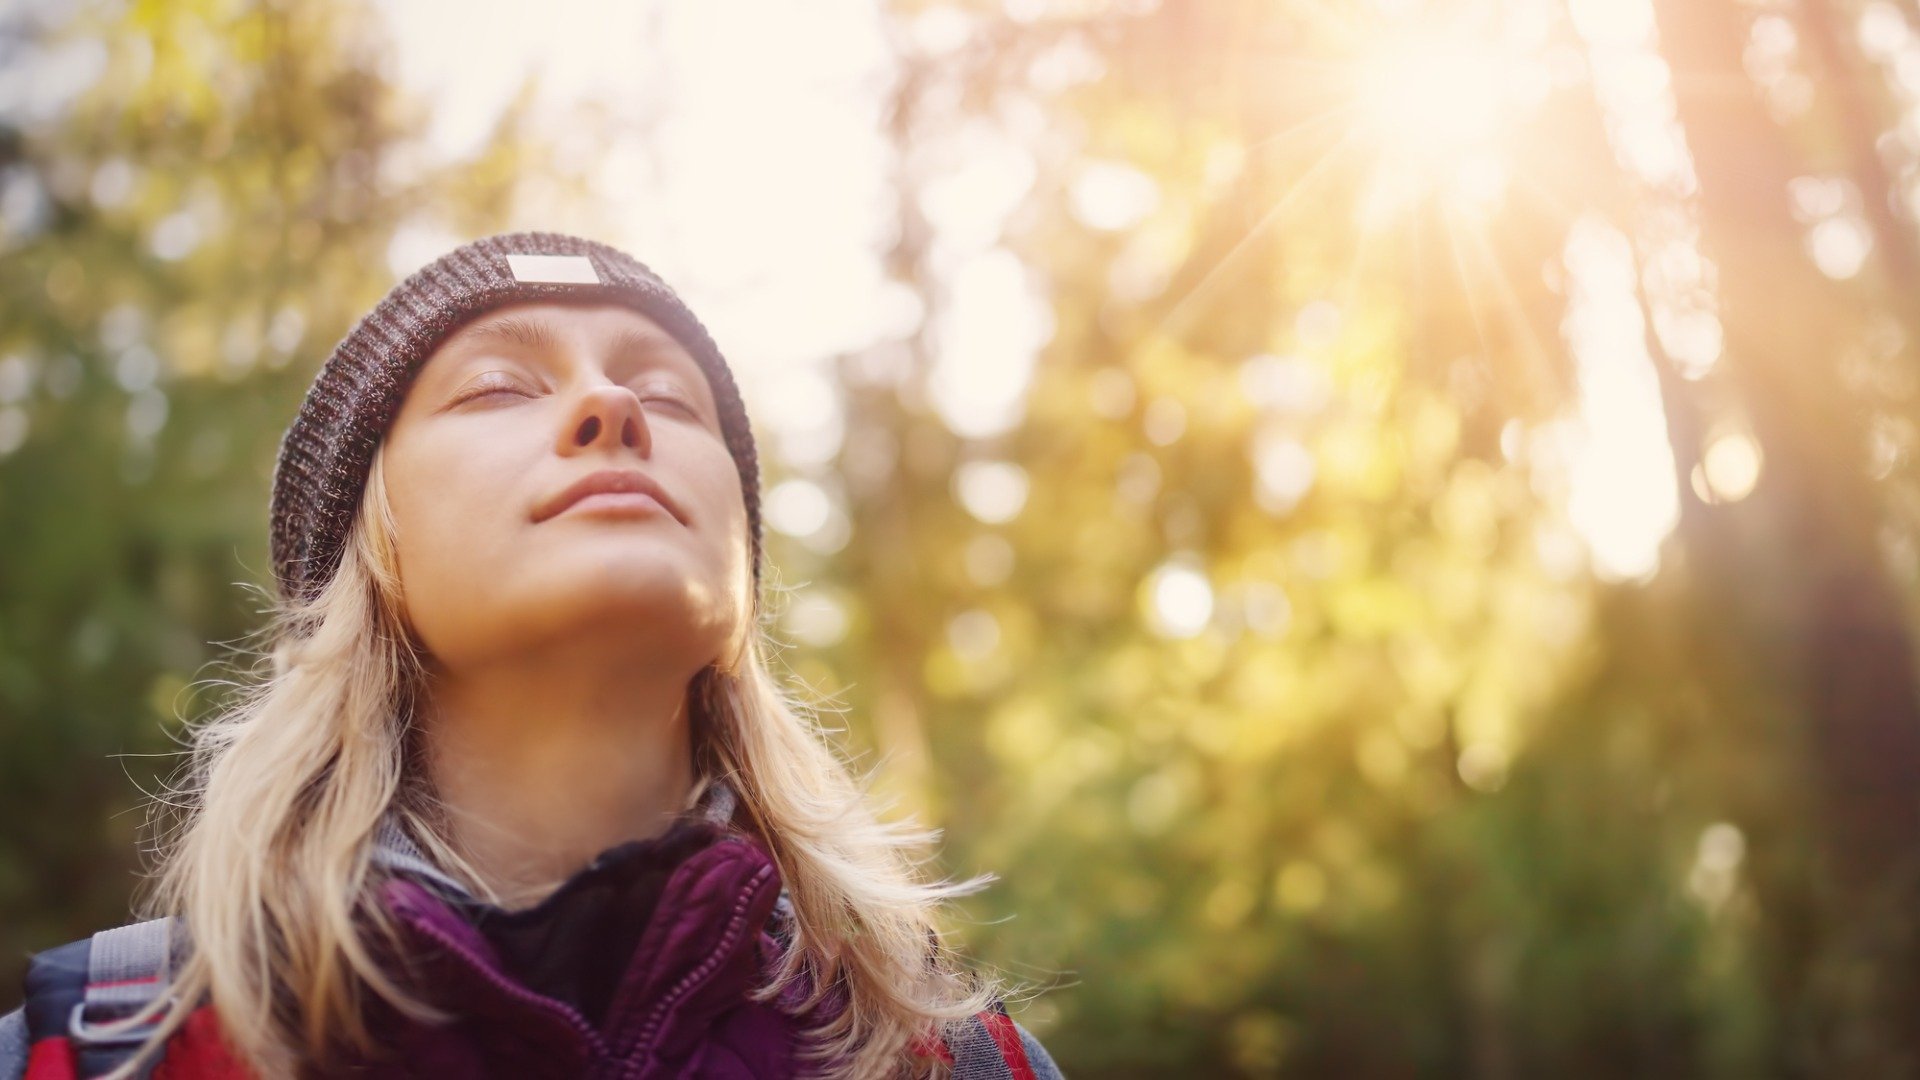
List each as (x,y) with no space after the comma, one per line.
(489,389)
(671,397)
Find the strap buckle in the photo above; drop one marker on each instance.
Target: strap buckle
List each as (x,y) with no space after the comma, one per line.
(103,1034)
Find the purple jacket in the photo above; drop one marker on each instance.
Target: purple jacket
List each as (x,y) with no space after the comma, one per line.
(542,993)
(639,966)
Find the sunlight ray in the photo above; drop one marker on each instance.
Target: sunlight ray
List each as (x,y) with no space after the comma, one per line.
(1468,288)
(1299,127)
(1179,311)
(1534,352)
(1366,242)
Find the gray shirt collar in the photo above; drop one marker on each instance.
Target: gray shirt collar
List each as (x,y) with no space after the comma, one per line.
(397,852)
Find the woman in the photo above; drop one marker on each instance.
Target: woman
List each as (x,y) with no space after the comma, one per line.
(518,795)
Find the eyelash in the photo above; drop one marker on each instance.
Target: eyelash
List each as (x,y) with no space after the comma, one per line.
(488,390)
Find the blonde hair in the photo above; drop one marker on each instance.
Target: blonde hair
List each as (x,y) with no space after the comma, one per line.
(270,859)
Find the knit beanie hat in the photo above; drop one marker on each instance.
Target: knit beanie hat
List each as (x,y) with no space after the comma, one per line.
(327,452)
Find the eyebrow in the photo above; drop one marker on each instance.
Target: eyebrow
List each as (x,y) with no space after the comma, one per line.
(630,340)
(538,335)
(516,330)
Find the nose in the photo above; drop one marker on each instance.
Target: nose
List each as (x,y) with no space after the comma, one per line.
(606,416)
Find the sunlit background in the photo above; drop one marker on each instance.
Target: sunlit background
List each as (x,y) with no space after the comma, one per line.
(1391,526)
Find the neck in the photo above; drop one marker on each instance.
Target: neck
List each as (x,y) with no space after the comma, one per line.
(540,766)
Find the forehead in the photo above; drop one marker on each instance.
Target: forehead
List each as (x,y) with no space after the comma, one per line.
(548,325)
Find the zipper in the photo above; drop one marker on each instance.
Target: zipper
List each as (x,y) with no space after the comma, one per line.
(636,1055)
(566,1014)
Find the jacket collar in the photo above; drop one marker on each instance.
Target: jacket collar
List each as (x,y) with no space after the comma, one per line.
(703,948)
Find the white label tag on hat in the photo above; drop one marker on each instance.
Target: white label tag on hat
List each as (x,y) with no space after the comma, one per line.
(561,269)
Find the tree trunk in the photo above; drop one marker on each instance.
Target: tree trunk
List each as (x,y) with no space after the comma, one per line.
(1797,565)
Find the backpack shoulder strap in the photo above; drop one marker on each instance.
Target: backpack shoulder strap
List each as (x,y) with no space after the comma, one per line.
(76,992)
(990,1046)
(1037,1056)
(13,1044)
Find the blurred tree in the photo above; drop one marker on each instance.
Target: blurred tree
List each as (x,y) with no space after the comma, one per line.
(1800,562)
(1244,664)
(1301,744)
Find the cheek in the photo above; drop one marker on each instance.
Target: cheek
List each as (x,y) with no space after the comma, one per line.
(452,513)
(708,483)
(725,506)
(739,546)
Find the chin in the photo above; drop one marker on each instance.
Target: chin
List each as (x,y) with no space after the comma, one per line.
(642,591)
(655,615)
(635,607)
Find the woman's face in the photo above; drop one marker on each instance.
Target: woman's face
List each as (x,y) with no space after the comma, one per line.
(497,554)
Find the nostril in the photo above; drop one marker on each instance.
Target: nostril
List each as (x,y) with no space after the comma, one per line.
(589,430)
(630,433)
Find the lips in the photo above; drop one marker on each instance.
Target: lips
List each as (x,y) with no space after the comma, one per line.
(608,481)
